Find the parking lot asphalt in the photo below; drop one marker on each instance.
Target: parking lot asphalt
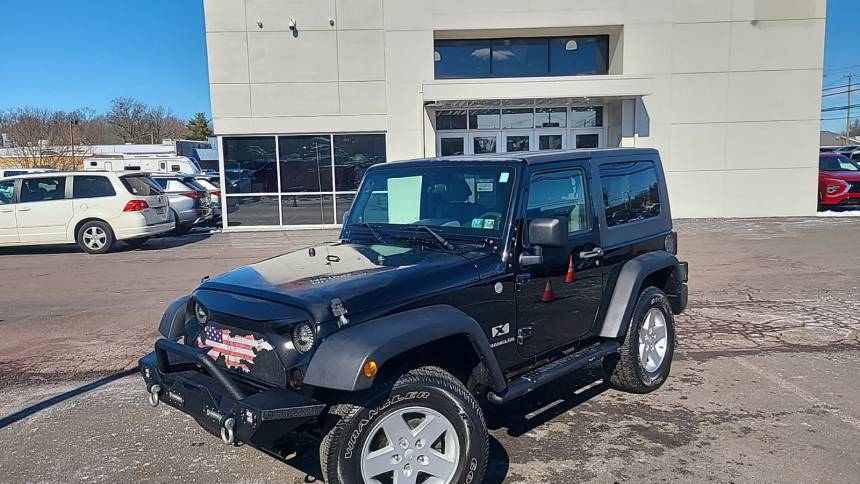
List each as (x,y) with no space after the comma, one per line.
(764,387)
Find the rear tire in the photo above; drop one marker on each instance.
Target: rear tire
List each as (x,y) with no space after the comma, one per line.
(95,237)
(424,423)
(645,357)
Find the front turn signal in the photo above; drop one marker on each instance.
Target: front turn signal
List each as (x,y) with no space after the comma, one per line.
(370,369)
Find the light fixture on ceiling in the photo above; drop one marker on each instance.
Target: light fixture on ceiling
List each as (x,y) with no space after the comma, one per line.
(571,45)
(436,56)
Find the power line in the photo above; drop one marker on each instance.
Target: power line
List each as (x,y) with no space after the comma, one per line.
(840,93)
(840,108)
(835,87)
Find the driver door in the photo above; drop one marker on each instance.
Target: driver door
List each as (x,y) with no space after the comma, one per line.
(557,301)
(8,225)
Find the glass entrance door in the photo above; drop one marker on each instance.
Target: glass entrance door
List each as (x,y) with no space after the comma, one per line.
(482,143)
(450,144)
(518,140)
(550,139)
(587,138)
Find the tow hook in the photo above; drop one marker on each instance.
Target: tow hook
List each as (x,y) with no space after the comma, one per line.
(227,431)
(154,391)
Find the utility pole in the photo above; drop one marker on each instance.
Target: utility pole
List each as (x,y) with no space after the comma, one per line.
(848,116)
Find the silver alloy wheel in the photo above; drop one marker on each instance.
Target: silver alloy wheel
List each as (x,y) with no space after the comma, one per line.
(653,340)
(95,238)
(411,443)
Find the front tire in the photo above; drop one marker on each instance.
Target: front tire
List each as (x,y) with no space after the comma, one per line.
(645,357)
(95,237)
(424,423)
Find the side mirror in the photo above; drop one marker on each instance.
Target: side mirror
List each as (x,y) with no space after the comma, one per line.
(548,232)
(544,232)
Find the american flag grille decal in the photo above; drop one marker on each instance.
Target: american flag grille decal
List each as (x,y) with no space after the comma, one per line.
(238,351)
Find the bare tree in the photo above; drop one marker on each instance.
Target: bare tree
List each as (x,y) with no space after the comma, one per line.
(42,138)
(128,119)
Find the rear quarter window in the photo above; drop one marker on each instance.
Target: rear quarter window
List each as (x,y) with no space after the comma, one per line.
(630,192)
(92,187)
(141,186)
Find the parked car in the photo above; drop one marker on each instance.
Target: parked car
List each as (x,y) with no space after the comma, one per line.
(239,180)
(190,203)
(7,172)
(456,285)
(847,149)
(838,181)
(94,209)
(211,182)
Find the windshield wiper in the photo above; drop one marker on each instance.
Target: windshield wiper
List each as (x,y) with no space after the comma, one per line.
(377,234)
(442,240)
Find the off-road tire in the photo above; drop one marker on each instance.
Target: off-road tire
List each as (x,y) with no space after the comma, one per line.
(97,224)
(625,371)
(430,387)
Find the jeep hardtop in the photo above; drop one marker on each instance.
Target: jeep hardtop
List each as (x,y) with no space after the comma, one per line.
(457,284)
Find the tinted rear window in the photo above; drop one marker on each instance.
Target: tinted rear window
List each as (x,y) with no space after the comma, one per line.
(141,186)
(630,192)
(92,187)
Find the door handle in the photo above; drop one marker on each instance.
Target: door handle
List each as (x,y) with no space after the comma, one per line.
(24,209)
(591,254)
(6,210)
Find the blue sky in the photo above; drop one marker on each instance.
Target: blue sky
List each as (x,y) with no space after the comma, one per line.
(841,57)
(65,54)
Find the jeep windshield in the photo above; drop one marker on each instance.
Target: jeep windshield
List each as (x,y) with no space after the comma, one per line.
(468,200)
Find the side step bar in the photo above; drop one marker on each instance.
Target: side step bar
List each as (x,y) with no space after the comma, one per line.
(553,370)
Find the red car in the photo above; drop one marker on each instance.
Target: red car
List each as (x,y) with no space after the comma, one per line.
(838,181)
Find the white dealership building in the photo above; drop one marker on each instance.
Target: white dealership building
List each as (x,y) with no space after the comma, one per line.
(306,94)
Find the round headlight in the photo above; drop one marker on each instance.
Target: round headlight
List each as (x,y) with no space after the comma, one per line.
(303,337)
(200,313)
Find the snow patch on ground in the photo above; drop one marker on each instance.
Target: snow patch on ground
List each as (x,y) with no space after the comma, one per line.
(841,213)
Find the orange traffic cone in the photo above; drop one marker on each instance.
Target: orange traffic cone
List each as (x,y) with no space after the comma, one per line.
(547,295)
(571,272)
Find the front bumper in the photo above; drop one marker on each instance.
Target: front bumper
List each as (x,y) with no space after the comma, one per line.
(186,378)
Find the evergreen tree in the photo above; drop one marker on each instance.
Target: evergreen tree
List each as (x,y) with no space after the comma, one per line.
(198,127)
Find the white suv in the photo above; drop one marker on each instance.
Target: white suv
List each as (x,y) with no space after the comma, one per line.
(94,209)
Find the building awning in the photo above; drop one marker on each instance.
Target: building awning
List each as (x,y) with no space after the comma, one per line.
(580,87)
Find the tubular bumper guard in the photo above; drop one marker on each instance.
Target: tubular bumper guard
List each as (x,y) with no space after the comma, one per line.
(221,405)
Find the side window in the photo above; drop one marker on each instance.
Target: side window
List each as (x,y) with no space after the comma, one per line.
(43,189)
(559,194)
(7,192)
(630,192)
(162,182)
(92,187)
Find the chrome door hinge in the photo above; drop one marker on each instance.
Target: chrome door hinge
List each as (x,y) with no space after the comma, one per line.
(523,333)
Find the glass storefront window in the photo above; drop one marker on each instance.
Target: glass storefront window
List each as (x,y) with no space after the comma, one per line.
(305,163)
(353,155)
(307,209)
(344,202)
(550,117)
(520,58)
(252,211)
(517,143)
(517,118)
(586,117)
(450,120)
(578,56)
(458,59)
(249,164)
(484,119)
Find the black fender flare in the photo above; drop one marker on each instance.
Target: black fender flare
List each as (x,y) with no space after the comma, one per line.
(337,363)
(627,288)
(172,324)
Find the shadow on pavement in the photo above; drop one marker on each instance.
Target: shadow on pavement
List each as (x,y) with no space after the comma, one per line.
(155,243)
(32,409)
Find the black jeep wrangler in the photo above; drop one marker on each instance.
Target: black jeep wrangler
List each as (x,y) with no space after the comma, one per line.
(455,281)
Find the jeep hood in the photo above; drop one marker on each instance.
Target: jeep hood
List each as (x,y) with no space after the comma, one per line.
(363,277)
